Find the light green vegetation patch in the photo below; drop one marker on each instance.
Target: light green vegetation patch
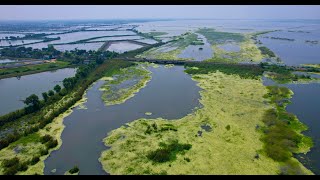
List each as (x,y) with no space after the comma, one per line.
(181,42)
(148,113)
(30,146)
(169,65)
(249,52)
(125,84)
(232,107)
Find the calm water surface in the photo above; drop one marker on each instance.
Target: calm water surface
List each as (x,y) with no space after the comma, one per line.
(13,90)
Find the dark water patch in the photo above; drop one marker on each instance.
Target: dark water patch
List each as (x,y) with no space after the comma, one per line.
(171,94)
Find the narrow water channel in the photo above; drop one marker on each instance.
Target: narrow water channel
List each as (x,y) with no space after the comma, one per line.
(170,94)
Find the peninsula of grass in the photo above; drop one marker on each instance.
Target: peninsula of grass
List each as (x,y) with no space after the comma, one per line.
(233,107)
(32,69)
(125,84)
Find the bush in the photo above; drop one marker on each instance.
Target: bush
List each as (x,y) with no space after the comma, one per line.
(75,169)
(228,127)
(23,166)
(167,152)
(52,143)
(10,162)
(45,138)
(34,160)
(43,152)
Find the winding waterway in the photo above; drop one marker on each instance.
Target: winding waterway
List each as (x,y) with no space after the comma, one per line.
(170,94)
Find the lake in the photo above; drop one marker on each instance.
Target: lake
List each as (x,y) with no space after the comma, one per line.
(13,90)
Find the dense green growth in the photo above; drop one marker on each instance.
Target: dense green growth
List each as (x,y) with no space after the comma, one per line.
(283,74)
(266,51)
(283,130)
(168,152)
(216,37)
(244,71)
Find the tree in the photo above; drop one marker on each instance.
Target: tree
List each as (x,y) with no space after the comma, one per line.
(57,88)
(50,93)
(33,101)
(45,96)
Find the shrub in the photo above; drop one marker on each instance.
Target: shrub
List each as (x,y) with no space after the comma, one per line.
(45,138)
(167,152)
(75,169)
(10,162)
(34,160)
(51,144)
(43,152)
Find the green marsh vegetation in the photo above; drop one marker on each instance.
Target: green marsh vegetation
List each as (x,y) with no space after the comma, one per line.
(282,132)
(125,84)
(283,74)
(233,106)
(249,52)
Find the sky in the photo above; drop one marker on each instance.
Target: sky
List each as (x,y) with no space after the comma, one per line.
(75,12)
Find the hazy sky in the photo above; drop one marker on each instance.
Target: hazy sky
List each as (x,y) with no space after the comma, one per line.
(48,12)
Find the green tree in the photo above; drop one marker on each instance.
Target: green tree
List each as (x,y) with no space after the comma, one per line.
(33,101)
(45,96)
(50,93)
(57,88)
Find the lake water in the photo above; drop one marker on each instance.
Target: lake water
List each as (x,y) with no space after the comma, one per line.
(116,38)
(194,51)
(16,42)
(76,36)
(294,52)
(121,47)
(82,46)
(13,90)
(2,61)
(170,94)
(305,104)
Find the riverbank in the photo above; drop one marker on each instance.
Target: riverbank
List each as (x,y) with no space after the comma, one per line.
(220,138)
(33,69)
